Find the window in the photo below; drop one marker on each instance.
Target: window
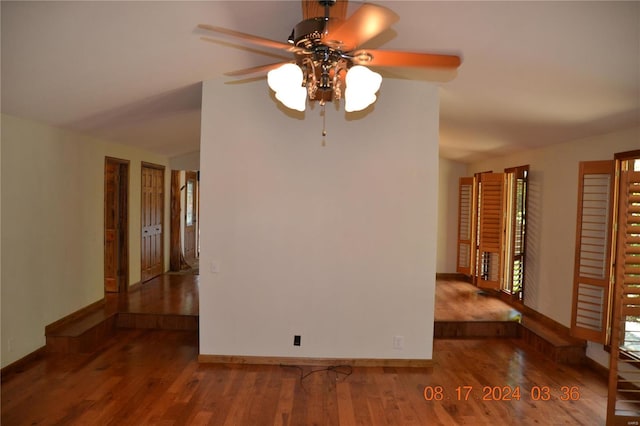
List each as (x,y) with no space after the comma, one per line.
(628,254)
(190,214)
(516,181)
(491,225)
(492,229)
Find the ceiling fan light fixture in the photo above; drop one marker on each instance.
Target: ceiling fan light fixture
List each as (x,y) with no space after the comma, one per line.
(328,61)
(362,86)
(286,82)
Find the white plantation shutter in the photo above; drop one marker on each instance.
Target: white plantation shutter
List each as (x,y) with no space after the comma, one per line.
(592,268)
(465,226)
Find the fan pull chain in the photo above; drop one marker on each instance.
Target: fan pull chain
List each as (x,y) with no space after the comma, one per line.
(324,123)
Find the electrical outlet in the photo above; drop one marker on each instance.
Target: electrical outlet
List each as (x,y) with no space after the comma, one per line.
(296,340)
(398,343)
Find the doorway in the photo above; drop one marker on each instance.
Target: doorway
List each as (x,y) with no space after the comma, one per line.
(191,216)
(185,220)
(116,225)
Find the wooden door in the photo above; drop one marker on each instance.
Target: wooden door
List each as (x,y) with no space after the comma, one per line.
(190,216)
(116,229)
(152,212)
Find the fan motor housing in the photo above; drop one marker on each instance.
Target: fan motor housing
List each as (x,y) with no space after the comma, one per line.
(308,33)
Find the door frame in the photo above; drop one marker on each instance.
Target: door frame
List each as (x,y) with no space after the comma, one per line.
(191,175)
(122,239)
(175,246)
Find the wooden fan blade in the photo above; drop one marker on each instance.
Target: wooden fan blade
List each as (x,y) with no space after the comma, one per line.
(253,70)
(279,56)
(365,23)
(260,41)
(313,9)
(391,58)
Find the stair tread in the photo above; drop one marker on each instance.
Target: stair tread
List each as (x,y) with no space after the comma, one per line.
(81,325)
(552,336)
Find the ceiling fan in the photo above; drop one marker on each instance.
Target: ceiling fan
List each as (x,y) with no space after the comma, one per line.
(328,62)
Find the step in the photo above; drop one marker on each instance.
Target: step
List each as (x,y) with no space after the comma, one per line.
(86,331)
(157,321)
(475,329)
(554,344)
(83,334)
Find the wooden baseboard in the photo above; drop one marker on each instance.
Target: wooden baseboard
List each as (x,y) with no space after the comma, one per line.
(48,329)
(448,276)
(318,362)
(536,316)
(134,287)
(598,368)
(17,366)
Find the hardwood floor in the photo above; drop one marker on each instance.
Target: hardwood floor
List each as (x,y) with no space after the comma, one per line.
(145,376)
(152,377)
(460,301)
(166,294)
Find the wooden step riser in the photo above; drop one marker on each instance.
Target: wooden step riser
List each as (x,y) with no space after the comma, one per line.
(157,321)
(475,329)
(94,337)
(88,341)
(565,354)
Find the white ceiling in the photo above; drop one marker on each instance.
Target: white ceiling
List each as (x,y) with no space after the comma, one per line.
(533,73)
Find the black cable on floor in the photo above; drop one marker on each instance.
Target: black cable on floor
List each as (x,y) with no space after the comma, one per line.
(344,370)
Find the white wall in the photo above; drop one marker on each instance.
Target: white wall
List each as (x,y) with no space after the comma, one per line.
(551,227)
(336,243)
(449,173)
(52,227)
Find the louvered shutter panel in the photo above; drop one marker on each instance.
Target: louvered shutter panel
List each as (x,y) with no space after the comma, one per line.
(624,376)
(465,226)
(491,230)
(592,267)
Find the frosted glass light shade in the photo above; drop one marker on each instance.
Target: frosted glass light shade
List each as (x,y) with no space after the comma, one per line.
(362,85)
(286,81)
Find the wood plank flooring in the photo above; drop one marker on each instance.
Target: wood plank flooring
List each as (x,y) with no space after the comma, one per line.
(142,377)
(152,377)
(460,301)
(166,294)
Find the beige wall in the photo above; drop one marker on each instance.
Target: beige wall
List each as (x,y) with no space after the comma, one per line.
(52,226)
(335,243)
(190,161)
